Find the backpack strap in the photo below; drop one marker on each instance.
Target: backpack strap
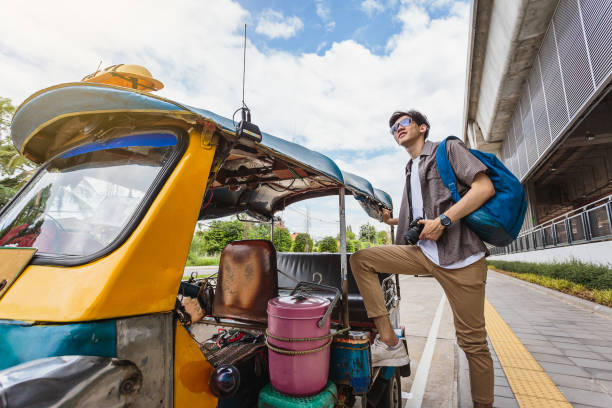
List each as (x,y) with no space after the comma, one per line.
(446,170)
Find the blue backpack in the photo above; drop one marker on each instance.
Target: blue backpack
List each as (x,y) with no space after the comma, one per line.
(499,220)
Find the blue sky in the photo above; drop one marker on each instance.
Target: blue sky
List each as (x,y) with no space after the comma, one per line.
(326,22)
(325,74)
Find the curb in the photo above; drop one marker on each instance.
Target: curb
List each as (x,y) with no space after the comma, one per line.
(464,394)
(573,300)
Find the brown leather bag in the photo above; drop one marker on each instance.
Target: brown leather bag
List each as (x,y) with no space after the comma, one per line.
(247,280)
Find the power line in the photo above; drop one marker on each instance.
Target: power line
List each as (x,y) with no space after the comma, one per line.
(307,214)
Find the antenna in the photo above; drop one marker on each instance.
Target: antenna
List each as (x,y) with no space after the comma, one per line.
(244,67)
(245,128)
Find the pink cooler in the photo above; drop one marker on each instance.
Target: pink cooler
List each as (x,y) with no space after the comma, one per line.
(297,317)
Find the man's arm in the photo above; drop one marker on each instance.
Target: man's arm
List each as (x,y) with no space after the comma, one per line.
(480,191)
(387,218)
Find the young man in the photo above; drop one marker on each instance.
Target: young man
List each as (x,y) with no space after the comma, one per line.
(447,249)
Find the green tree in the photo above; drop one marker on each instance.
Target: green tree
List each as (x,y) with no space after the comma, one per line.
(198,248)
(381,237)
(350,246)
(356,244)
(259,231)
(367,233)
(350,235)
(282,240)
(303,243)
(220,233)
(14,168)
(6,113)
(328,244)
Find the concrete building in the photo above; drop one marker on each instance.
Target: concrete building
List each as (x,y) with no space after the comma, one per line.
(538,95)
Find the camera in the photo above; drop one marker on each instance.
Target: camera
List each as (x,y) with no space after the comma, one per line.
(414,230)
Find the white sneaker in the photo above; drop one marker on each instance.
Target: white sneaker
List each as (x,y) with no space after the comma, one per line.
(388,356)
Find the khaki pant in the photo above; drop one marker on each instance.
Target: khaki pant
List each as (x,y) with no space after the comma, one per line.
(464,288)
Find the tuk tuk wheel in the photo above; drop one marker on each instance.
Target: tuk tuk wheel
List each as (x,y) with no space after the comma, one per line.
(391,396)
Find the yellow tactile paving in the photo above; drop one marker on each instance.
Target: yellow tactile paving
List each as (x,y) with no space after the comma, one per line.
(531,385)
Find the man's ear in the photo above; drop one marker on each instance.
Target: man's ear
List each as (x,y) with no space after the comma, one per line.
(423,128)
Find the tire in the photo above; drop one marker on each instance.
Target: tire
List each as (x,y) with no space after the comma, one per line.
(392,397)
(386,393)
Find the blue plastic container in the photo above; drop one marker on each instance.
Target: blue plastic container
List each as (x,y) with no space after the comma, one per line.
(350,361)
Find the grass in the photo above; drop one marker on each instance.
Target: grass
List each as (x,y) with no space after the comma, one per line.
(199,260)
(592,276)
(602,296)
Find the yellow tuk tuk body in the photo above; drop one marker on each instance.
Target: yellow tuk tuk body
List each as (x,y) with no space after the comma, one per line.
(97,299)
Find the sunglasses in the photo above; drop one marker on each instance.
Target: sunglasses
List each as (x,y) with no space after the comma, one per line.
(404,122)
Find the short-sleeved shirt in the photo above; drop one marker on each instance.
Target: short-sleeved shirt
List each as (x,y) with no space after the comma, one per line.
(458,241)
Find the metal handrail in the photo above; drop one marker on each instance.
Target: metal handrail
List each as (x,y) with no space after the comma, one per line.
(569,214)
(535,238)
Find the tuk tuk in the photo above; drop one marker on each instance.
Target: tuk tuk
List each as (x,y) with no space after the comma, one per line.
(93,251)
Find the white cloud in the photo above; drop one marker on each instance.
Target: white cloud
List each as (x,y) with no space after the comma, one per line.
(275,25)
(340,100)
(372,6)
(322,10)
(321,46)
(324,13)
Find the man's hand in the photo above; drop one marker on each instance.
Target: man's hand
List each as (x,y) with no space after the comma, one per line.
(387,218)
(433,229)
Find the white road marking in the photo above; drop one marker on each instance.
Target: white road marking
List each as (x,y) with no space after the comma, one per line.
(414,398)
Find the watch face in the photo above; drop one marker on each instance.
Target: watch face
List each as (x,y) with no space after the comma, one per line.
(445,220)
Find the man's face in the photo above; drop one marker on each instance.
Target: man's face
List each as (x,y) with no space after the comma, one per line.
(406,135)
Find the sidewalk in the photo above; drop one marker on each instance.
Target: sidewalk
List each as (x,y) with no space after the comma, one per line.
(571,343)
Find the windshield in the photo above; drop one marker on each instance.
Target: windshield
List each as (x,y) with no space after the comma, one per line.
(80,202)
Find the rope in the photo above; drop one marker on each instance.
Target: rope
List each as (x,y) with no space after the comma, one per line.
(297,353)
(293,339)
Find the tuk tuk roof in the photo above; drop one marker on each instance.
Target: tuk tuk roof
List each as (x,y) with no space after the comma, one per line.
(36,124)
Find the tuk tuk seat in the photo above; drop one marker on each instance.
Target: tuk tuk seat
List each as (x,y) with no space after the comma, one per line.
(246,280)
(322,268)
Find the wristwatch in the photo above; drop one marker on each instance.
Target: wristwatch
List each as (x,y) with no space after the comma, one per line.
(445,220)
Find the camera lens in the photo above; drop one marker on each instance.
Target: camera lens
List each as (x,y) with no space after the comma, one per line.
(414,231)
(412,236)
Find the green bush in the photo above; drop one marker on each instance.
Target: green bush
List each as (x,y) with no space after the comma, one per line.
(381,237)
(592,276)
(220,233)
(350,247)
(259,231)
(328,244)
(282,240)
(601,296)
(303,243)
